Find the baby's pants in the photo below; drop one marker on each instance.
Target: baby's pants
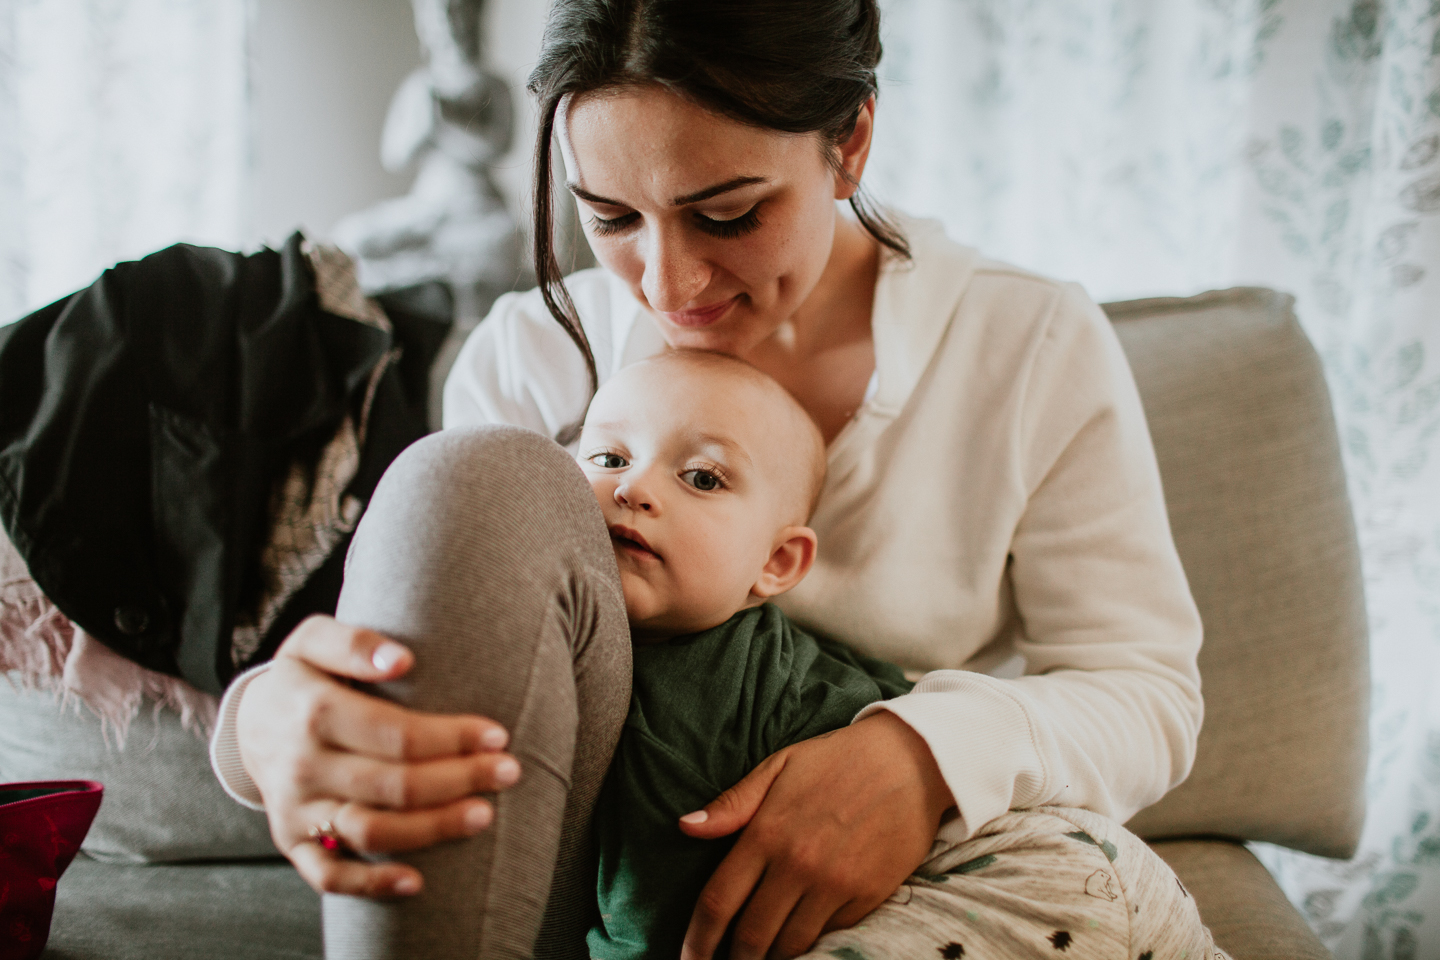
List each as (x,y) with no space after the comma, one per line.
(485,552)
(1052,882)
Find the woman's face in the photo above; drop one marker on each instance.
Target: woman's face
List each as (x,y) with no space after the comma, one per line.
(722,230)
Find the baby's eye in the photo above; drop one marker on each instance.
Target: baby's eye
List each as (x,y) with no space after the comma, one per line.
(610,461)
(702,479)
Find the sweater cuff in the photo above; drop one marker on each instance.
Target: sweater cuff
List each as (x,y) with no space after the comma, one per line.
(225,745)
(982,741)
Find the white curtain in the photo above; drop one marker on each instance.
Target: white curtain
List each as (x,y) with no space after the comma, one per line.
(123,129)
(1170,146)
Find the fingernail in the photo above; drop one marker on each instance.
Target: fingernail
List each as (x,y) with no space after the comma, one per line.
(407,886)
(387,655)
(507,771)
(479,817)
(699,816)
(494,738)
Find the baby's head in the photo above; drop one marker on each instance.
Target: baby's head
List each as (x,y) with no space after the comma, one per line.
(706,471)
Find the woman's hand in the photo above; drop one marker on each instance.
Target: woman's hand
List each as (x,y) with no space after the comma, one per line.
(835,825)
(386,778)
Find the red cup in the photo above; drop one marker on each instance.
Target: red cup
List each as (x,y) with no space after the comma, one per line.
(41,826)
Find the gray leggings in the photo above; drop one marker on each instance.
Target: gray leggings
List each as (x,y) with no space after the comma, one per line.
(484,551)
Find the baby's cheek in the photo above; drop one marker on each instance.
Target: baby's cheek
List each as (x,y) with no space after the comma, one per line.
(603,487)
(643,603)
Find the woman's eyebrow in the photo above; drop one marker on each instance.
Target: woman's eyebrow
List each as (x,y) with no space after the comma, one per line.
(689,198)
(716,190)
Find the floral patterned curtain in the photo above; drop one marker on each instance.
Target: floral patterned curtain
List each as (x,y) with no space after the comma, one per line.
(1168,146)
(123,129)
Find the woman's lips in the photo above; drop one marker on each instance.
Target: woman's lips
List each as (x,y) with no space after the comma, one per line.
(630,540)
(702,316)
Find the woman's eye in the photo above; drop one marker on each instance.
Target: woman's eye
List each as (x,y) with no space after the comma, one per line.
(610,461)
(702,479)
(604,227)
(734,227)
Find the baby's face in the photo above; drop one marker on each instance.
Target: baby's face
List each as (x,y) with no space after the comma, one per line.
(703,490)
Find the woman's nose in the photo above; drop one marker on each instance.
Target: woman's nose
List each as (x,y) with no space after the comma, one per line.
(675,271)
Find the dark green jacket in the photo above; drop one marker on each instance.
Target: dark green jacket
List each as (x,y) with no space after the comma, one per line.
(706,710)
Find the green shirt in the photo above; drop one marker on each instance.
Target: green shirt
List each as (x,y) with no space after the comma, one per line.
(706,710)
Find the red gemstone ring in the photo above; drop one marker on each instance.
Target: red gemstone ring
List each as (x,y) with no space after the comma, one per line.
(324,834)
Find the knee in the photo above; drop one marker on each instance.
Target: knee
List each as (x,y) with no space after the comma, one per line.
(478,466)
(480,492)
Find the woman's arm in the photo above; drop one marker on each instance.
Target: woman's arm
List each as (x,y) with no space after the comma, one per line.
(1107,714)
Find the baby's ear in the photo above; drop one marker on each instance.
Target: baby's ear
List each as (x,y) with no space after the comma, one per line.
(789,562)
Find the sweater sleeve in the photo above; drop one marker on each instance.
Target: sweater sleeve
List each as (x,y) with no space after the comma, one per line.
(225,744)
(1108,710)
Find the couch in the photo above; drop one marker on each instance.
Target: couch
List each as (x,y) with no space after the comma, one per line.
(1248,451)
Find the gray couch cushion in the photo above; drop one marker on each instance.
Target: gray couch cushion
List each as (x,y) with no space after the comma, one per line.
(254,910)
(161,800)
(1243,428)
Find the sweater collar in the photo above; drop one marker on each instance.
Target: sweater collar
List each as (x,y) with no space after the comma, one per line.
(913,308)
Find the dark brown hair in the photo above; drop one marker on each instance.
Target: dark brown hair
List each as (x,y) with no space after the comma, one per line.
(797,66)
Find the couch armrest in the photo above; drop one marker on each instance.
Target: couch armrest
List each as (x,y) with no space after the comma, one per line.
(1240,902)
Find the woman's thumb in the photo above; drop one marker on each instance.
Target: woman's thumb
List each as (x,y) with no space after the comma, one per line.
(733,809)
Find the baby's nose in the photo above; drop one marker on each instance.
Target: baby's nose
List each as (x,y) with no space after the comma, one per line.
(627,496)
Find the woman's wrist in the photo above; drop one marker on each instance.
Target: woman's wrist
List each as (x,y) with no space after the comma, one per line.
(909,743)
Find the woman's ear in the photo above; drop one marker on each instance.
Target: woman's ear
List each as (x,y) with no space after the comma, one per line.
(789,562)
(853,151)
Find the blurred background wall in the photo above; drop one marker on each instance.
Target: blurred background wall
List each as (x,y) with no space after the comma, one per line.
(127,126)
(322,74)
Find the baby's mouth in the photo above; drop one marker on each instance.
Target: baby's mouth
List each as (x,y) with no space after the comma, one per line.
(628,539)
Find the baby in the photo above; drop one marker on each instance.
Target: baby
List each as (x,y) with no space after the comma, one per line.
(706,471)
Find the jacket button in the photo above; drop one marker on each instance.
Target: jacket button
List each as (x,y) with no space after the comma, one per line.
(131,619)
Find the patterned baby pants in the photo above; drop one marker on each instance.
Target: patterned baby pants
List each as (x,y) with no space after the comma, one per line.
(1055,883)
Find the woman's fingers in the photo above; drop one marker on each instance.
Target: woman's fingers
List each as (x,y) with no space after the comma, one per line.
(394,831)
(345,718)
(358,722)
(767,911)
(720,900)
(345,651)
(852,913)
(408,786)
(725,893)
(734,808)
(814,916)
(365,830)
(329,872)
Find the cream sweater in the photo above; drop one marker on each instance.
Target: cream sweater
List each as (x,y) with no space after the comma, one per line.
(995,498)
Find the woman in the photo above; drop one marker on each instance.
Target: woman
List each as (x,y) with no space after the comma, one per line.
(992,492)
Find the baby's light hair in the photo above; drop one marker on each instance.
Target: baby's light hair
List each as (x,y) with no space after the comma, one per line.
(811,441)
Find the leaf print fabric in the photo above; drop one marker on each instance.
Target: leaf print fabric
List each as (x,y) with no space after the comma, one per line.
(1168,147)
